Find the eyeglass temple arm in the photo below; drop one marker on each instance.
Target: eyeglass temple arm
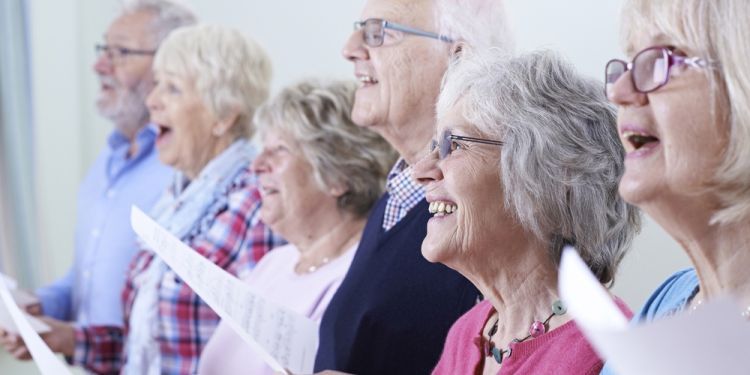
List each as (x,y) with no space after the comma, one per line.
(407,29)
(477,140)
(696,62)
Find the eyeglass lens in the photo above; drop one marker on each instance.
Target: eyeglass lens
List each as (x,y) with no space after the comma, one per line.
(650,69)
(443,144)
(372,30)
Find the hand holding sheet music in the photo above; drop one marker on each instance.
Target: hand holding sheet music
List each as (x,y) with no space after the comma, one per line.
(45,360)
(283,338)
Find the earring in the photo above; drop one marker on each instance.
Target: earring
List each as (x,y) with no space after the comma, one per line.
(218,131)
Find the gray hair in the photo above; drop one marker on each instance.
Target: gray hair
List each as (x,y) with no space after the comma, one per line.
(231,72)
(168,15)
(561,158)
(317,116)
(480,24)
(716,30)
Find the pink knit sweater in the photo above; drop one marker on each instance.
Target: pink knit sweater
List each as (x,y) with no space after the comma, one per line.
(563,350)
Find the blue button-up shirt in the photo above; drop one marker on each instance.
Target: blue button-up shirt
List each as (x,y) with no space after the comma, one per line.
(90,293)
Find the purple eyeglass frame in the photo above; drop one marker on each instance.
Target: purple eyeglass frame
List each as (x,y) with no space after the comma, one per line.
(672,60)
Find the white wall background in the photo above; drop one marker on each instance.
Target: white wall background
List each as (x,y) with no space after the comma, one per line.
(304,39)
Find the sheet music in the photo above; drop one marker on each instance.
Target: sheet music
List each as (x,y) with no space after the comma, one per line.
(44,359)
(21,299)
(709,340)
(283,338)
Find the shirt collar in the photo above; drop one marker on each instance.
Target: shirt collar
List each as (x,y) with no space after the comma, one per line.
(400,183)
(116,139)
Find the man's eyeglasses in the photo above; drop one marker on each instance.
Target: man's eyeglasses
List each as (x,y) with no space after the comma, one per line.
(116,53)
(446,143)
(650,68)
(373,31)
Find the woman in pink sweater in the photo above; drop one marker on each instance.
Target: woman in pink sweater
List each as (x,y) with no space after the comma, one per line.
(319,175)
(526,159)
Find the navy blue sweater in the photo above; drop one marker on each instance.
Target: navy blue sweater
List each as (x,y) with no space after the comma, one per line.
(394,308)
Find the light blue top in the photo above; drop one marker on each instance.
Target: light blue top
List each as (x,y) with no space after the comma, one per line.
(89,293)
(670,298)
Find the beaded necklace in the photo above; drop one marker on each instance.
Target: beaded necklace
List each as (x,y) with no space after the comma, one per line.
(536,329)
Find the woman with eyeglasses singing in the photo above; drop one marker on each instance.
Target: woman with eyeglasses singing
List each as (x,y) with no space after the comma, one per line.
(523,164)
(684,120)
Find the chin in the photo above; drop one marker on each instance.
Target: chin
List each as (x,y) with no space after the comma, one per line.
(636,193)
(432,253)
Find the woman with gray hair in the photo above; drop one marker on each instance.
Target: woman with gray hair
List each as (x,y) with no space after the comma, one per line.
(209,82)
(526,161)
(319,175)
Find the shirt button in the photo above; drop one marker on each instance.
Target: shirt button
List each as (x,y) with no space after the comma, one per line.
(95,233)
(111,193)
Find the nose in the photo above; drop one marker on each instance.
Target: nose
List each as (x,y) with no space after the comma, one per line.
(354,47)
(427,170)
(103,64)
(260,164)
(153,100)
(623,92)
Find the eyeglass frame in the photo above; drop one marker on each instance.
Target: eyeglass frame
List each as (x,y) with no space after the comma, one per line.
(672,60)
(108,50)
(444,149)
(360,25)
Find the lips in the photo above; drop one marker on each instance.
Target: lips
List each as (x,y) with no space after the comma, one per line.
(164,132)
(266,190)
(366,79)
(107,83)
(638,141)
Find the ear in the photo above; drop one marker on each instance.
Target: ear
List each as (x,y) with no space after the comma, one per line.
(225,123)
(458,49)
(338,190)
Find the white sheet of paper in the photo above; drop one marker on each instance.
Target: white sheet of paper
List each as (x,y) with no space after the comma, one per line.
(45,360)
(21,298)
(283,338)
(711,340)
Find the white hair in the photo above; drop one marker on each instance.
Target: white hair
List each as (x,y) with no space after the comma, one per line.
(561,159)
(168,15)
(480,24)
(231,72)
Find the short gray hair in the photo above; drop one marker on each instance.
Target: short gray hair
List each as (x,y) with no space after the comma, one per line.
(317,116)
(231,72)
(168,15)
(715,30)
(480,24)
(561,159)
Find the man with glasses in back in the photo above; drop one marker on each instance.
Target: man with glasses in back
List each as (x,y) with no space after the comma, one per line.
(127,172)
(394,309)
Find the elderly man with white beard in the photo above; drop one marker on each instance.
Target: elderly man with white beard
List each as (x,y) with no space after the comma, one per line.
(127,172)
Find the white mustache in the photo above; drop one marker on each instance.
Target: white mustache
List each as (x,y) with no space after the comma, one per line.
(109,81)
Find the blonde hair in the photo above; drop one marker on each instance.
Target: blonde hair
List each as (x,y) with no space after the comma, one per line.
(231,72)
(316,115)
(716,30)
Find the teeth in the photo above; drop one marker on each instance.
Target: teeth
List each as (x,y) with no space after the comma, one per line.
(367,79)
(442,208)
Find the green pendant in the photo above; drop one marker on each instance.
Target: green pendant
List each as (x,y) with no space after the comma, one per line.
(558,308)
(498,355)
